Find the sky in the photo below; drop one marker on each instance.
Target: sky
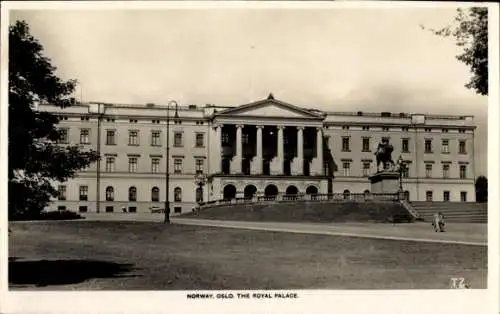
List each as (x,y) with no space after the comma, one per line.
(355,59)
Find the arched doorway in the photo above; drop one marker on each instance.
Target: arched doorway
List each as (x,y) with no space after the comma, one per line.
(312,190)
(249,191)
(347,194)
(229,192)
(292,190)
(271,190)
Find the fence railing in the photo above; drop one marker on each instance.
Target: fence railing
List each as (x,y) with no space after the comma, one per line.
(282,198)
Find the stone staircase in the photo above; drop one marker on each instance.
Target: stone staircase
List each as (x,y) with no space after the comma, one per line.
(453,211)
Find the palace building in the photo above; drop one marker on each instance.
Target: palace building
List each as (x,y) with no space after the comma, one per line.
(267,147)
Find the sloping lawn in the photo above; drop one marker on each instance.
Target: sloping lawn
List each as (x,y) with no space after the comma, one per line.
(152,256)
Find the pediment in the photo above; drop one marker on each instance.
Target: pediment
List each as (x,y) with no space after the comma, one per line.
(270,108)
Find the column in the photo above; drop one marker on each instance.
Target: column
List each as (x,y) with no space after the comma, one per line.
(300,150)
(218,149)
(281,155)
(319,151)
(239,150)
(258,156)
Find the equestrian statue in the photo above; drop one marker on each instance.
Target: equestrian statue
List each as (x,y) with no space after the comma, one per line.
(383,155)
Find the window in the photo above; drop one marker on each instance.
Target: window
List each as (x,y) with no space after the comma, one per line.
(61,193)
(155,121)
(110,194)
(366,144)
(155,138)
(155,165)
(133,121)
(199,165)
(428,130)
(199,194)
(84,193)
(405,129)
(110,137)
(366,169)
(428,170)
(347,194)
(366,128)
(133,137)
(405,145)
(155,194)
(132,164)
(132,209)
(85,136)
(461,130)
(463,171)
(346,144)
(445,130)
(82,209)
(461,147)
(345,127)
(463,196)
(178,139)
(446,196)
(200,139)
(385,129)
(61,208)
(446,171)
(132,194)
(346,165)
(85,118)
(225,138)
(177,165)
(110,164)
(428,196)
(177,194)
(109,209)
(177,209)
(428,146)
(445,148)
(110,120)
(63,136)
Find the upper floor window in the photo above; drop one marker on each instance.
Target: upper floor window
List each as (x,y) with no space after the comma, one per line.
(428,170)
(385,129)
(405,145)
(446,196)
(463,171)
(428,146)
(84,193)
(199,163)
(346,147)
(462,148)
(404,129)
(155,138)
(61,193)
(155,165)
(63,136)
(178,139)
(366,128)
(366,144)
(444,130)
(461,130)
(446,171)
(346,167)
(200,139)
(428,130)
(177,165)
(110,164)
(428,196)
(155,194)
(85,136)
(110,137)
(177,194)
(445,147)
(225,138)
(110,194)
(132,164)
(366,169)
(345,127)
(155,121)
(133,121)
(132,194)
(406,170)
(133,137)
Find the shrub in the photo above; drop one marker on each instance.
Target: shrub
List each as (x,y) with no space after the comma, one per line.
(52,215)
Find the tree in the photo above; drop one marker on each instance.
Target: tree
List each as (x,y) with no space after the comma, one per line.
(35,158)
(470,30)
(481,189)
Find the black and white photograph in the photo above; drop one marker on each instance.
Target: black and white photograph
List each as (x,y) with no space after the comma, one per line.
(246,153)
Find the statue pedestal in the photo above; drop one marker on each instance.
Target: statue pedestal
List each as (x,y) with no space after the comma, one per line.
(385,182)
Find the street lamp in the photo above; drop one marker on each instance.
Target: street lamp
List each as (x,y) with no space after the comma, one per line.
(200,180)
(98,110)
(167,161)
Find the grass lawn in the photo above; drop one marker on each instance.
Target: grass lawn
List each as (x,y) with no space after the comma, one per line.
(96,255)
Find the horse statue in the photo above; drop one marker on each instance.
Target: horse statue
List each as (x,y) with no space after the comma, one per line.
(384,155)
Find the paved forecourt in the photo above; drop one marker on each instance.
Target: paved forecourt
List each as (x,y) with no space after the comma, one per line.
(457,233)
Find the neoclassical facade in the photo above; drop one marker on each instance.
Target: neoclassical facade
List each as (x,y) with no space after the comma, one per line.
(267,147)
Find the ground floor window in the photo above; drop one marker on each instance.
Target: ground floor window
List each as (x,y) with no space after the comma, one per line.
(446,196)
(82,209)
(463,196)
(177,209)
(60,208)
(109,209)
(428,196)
(132,209)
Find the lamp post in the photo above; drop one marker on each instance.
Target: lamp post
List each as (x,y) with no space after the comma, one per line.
(98,110)
(167,162)
(200,180)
